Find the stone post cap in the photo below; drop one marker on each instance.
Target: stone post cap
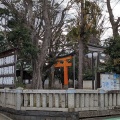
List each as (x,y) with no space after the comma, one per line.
(19,88)
(71,90)
(6,88)
(100,90)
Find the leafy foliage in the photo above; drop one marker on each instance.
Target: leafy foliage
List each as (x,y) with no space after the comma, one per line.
(3,43)
(4,11)
(91,14)
(87,75)
(19,35)
(113,50)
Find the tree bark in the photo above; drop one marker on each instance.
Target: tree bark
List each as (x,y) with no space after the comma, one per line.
(80,70)
(35,72)
(115,24)
(81,48)
(42,25)
(39,63)
(51,77)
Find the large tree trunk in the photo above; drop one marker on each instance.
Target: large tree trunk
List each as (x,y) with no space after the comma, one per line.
(112,21)
(51,77)
(81,48)
(42,22)
(44,50)
(37,72)
(80,70)
(34,75)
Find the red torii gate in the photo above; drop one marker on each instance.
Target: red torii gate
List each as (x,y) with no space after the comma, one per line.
(63,62)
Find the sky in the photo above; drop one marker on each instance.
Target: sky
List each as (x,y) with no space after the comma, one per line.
(115,4)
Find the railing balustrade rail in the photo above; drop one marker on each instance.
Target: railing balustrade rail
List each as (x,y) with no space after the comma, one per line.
(58,100)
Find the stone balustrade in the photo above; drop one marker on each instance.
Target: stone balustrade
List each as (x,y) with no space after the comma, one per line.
(58,100)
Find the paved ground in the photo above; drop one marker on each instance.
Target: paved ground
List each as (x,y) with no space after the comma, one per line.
(104,118)
(3,117)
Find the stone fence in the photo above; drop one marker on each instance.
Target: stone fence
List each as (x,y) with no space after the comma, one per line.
(58,100)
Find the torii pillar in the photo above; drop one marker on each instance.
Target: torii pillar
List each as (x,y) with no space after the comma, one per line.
(63,62)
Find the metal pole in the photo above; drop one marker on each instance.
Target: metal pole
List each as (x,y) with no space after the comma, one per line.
(92,72)
(74,70)
(96,67)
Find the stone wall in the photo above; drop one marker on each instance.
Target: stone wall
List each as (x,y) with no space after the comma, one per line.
(38,115)
(87,84)
(48,115)
(30,104)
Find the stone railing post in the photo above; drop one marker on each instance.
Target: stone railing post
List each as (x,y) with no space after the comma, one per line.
(71,99)
(5,97)
(18,98)
(102,99)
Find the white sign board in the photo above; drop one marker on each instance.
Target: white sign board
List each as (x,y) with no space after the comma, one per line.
(110,81)
(7,68)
